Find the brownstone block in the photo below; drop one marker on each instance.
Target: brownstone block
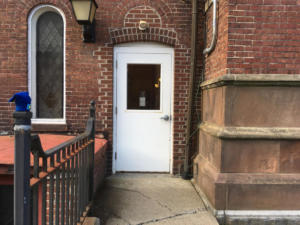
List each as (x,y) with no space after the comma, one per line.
(213,99)
(262,106)
(250,156)
(290,157)
(220,196)
(205,179)
(264,197)
(210,149)
(248,190)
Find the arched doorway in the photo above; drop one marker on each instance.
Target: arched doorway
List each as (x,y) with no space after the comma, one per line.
(143,84)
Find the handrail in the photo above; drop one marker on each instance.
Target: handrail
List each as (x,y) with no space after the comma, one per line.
(63,178)
(37,147)
(36,143)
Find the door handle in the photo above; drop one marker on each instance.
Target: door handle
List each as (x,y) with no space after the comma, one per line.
(165,117)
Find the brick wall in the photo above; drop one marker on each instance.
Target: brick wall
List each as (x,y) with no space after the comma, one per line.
(81,69)
(255,37)
(89,67)
(216,62)
(264,37)
(145,13)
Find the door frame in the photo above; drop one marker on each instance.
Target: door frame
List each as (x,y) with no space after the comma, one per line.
(150,48)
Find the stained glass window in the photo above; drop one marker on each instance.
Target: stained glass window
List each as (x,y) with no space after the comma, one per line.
(49,66)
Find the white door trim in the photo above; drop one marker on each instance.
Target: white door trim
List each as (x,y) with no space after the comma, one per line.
(150,48)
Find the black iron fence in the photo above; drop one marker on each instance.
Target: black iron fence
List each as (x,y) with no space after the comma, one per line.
(61,180)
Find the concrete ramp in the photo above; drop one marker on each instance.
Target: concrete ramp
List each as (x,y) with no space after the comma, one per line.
(153,199)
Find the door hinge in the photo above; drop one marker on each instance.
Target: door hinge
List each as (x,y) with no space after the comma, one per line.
(115,155)
(117,64)
(116,110)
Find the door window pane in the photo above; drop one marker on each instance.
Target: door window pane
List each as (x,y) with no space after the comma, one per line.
(49,66)
(143,86)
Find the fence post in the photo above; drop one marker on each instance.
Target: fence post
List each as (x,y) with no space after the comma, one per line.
(22,168)
(93,117)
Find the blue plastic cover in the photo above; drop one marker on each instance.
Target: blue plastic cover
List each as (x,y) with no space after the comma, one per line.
(22,101)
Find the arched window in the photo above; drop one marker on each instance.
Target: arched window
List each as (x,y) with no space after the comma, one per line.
(47,64)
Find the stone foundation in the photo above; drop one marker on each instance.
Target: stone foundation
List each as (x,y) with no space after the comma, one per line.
(248,162)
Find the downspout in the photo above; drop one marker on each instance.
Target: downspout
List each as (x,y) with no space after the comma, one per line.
(191,86)
(214,31)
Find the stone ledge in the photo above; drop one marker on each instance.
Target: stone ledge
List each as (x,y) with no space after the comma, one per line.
(258,178)
(250,217)
(247,178)
(253,80)
(247,191)
(254,217)
(226,132)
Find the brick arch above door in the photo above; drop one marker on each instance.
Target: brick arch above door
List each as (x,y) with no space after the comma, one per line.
(159,6)
(161,35)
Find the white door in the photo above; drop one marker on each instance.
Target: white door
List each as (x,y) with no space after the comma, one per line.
(143,87)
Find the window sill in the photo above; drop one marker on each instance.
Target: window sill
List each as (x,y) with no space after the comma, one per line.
(48,121)
(49,127)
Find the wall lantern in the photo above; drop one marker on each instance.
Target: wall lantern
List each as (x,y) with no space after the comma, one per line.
(85,11)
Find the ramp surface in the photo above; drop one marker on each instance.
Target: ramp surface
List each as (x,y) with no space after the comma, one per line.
(154,199)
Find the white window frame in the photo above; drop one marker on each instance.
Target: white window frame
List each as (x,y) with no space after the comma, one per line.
(32,22)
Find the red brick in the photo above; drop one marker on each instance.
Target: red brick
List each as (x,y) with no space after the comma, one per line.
(86,64)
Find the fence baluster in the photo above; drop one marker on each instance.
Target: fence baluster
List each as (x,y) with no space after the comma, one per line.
(35,190)
(68,186)
(72,186)
(87,154)
(44,192)
(63,178)
(81,168)
(85,174)
(76,186)
(80,180)
(57,186)
(51,192)
(91,170)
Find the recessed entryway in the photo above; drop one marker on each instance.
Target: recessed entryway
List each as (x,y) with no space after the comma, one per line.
(142,104)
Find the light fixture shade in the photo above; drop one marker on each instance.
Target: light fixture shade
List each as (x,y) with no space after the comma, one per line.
(84,10)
